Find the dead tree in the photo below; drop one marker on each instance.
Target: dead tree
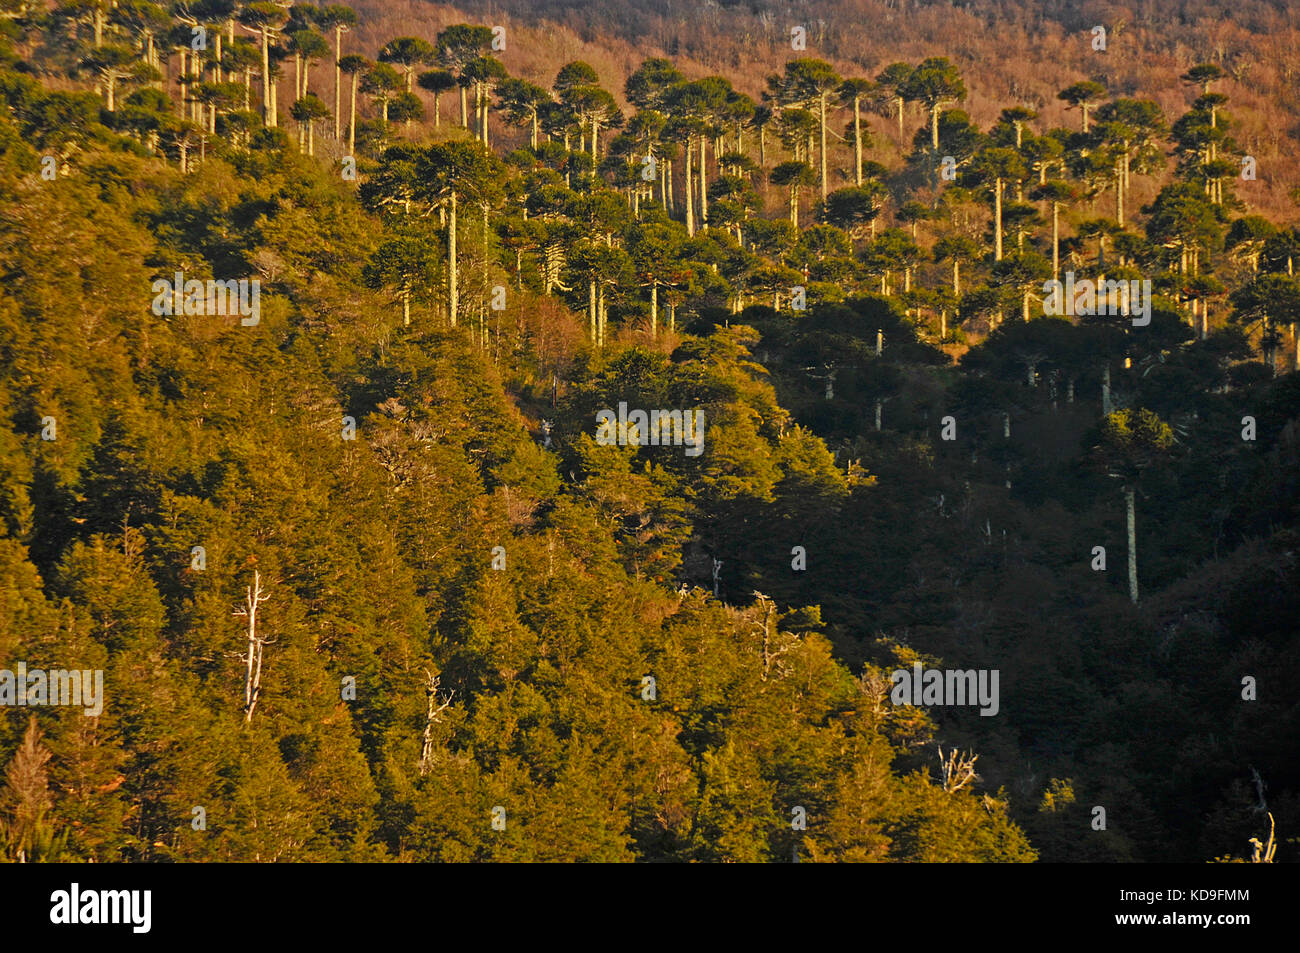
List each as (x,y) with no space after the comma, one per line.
(1264,852)
(958,769)
(253,598)
(432,717)
(1260,786)
(774,645)
(875,687)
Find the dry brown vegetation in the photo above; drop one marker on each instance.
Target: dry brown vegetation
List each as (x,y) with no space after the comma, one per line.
(1008,52)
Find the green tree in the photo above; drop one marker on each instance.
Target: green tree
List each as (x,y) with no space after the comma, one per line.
(1131,442)
(934,83)
(266,20)
(353,65)
(816,81)
(852,93)
(894,79)
(408,53)
(456,47)
(1083,96)
(793,175)
(449,172)
(338,19)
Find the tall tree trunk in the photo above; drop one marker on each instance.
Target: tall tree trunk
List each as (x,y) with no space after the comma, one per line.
(857,140)
(600,316)
(704,183)
(822,103)
(1056,241)
(1119,194)
(338,84)
(690,207)
(654,309)
(352,122)
(1130,514)
(452,293)
(268,101)
(997,219)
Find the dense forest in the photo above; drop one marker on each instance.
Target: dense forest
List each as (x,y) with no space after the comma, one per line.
(313,320)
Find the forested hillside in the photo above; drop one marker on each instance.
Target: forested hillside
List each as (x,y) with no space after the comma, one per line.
(318,325)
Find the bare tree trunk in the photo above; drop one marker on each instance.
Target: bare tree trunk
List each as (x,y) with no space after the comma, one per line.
(452,298)
(253,598)
(1119,195)
(1056,241)
(857,139)
(431,718)
(338,82)
(704,183)
(997,219)
(352,124)
(654,309)
(268,100)
(822,103)
(600,316)
(690,206)
(1130,513)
